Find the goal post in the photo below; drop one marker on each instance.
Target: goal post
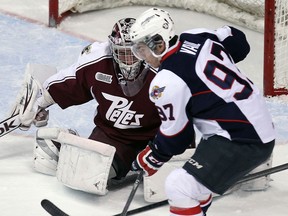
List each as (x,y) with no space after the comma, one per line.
(267,16)
(268,67)
(55,16)
(275,75)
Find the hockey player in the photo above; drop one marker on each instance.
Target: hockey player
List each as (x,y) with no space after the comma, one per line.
(125,118)
(198,83)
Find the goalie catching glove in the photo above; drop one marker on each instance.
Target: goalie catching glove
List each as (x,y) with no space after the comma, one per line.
(149,160)
(33,103)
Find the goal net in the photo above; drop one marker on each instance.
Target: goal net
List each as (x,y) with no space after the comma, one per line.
(276,48)
(267,16)
(249,13)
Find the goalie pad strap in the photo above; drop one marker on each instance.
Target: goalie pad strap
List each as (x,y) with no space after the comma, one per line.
(46,154)
(43,145)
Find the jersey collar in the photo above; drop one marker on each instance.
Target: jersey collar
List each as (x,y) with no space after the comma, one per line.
(171,50)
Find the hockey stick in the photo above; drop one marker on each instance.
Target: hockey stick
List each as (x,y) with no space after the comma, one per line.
(132,193)
(263,173)
(55,211)
(244,179)
(52,209)
(10,124)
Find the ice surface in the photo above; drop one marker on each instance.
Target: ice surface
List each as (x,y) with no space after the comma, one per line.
(22,42)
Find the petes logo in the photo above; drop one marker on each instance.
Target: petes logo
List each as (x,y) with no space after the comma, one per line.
(157,92)
(103,77)
(119,112)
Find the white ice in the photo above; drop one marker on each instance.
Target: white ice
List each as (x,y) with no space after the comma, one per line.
(26,39)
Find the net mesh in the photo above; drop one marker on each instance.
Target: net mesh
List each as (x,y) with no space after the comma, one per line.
(249,13)
(281,45)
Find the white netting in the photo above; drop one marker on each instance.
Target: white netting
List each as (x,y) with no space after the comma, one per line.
(251,6)
(88,5)
(249,13)
(281,45)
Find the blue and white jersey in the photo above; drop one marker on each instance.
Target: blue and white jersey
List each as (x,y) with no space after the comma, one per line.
(199,84)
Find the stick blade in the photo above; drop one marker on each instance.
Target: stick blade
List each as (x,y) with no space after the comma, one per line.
(52,209)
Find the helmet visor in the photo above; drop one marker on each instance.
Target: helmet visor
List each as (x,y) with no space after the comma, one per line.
(148,47)
(143,52)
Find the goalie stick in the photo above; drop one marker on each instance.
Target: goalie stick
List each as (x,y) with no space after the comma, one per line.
(10,124)
(53,210)
(24,98)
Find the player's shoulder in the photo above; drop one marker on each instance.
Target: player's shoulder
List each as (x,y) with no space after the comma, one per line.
(97,47)
(165,81)
(165,76)
(95,51)
(196,31)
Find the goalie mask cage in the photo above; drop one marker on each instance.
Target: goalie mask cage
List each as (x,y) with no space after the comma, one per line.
(267,16)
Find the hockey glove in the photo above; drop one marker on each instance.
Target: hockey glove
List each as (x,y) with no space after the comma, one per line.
(32,104)
(149,161)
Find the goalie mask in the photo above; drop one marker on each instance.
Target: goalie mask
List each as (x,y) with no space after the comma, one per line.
(120,44)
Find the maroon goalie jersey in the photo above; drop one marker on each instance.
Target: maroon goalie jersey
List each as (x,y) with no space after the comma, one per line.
(92,77)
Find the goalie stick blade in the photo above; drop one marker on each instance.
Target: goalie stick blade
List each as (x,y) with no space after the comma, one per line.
(10,124)
(52,209)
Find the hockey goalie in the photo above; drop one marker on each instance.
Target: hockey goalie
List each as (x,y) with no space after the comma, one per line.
(125,119)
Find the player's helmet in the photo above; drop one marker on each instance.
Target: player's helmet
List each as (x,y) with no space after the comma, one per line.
(121,49)
(151,27)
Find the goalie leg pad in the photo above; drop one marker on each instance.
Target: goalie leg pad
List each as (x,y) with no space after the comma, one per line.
(84,164)
(46,154)
(46,150)
(260,183)
(154,190)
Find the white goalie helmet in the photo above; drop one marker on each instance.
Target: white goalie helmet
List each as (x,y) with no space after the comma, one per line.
(152,27)
(121,45)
